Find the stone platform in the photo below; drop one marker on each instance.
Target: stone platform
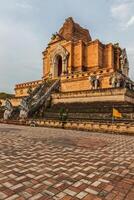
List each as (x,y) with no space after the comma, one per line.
(98,95)
(92,104)
(56,164)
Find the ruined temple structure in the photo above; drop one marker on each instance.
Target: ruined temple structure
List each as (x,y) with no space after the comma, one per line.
(74,57)
(89,71)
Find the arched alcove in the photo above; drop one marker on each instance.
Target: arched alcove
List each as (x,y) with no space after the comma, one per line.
(59,65)
(58,61)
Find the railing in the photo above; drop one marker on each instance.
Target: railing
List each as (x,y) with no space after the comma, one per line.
(28,84)
(44,97)
(86,74)
(48,92)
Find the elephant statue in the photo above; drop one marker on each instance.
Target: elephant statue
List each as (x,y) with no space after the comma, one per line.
(94,81)
(23,109)
(8,109)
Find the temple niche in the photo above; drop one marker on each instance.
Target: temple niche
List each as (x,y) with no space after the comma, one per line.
(80,62)
(58,62)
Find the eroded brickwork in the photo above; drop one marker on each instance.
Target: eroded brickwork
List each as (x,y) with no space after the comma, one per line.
(78,54)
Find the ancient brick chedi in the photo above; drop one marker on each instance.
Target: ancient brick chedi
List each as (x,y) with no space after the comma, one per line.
(80,62)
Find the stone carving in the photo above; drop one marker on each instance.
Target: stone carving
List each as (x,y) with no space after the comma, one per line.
(94,81)
(97,82)
(42,95)
(120,80)
(129,84)
(124,64)
(24,108)
(59,51)
(36,99)
(32,99)
(8,109)
(39,93)
(113,80)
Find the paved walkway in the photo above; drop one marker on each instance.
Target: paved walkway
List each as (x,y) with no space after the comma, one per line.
(55,164)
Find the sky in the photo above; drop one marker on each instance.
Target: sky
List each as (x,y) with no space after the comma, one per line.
(26,27)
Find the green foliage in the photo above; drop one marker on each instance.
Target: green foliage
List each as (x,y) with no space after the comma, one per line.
(53,36)
(5,95)
(63,114)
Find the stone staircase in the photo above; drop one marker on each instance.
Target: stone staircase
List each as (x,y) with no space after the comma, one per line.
(37,107)
(37,101)
(90,111)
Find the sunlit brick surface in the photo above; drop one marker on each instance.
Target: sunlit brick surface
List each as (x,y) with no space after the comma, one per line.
(41,163)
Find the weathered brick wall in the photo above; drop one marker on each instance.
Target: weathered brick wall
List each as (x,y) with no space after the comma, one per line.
(84,54)
(108,56)
(109,95)
(22,88)
(92,55)
(80,82)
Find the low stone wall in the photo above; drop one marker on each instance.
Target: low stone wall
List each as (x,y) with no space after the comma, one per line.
(116,127)
(119,128)
(22,88)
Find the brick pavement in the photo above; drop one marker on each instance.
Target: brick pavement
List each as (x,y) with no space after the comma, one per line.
(54,164)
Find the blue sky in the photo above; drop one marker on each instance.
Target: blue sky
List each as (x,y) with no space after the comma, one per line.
(27,25)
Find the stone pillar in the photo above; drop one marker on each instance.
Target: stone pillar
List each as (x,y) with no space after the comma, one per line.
(64,65)
(55,69)
(51,68)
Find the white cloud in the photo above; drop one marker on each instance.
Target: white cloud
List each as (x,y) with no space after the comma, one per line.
(130,22)
(120,11)
(24,5)
(123,13)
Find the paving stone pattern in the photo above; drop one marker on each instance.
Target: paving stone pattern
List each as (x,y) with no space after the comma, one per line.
(55,164)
